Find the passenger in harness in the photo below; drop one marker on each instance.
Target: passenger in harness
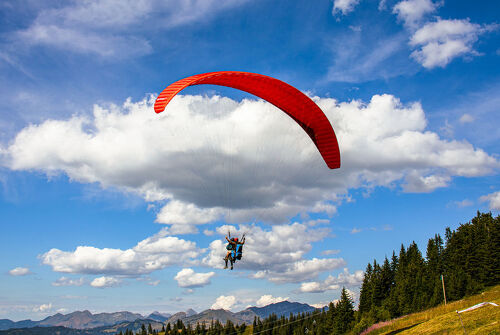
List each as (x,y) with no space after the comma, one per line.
(234,250)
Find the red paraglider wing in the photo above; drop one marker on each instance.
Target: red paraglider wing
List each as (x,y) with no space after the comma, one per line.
(287,98)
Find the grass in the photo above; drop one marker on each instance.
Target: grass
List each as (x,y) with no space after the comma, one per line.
(248,331)
(445,320)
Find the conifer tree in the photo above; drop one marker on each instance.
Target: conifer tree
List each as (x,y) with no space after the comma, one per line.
(386,278)
(330,315)
(365,296)
(377,289)
(344,316)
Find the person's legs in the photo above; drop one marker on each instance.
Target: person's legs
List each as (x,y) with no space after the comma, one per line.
(233,258)
(226,258)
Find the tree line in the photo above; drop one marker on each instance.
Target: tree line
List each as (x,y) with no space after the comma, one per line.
(468,261)
(179,328)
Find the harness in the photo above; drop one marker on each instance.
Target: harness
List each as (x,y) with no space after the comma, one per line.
(239,251)
(236,250)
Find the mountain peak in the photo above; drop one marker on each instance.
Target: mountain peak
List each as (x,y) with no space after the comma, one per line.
(191,312)
(157,316)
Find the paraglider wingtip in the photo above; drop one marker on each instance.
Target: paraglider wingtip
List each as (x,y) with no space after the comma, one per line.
(335,165)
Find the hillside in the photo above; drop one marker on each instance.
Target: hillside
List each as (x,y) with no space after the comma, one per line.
(135,326)
(50,331)
(85,319)
(445,320)
(8,324)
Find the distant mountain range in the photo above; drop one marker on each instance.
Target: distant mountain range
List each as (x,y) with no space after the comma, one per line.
(246,316)
(76,320)
(84,322)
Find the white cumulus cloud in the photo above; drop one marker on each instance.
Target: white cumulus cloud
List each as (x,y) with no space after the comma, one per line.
(43,308)
(176,212)
(333,283)
(190,279)
(423,184)
(65,281)
(19,271)
(105,281)
(438,43)
(412,11)
(224,302)
(268,299)
(277,254)
(493,200)
(344,6)
(242,161)
(151,254)
(300,270)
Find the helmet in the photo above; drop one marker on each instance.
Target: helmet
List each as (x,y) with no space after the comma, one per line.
(235,239)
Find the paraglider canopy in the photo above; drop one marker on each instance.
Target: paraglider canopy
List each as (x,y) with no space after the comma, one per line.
(287,98)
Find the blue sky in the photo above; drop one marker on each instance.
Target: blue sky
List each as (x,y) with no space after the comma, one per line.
(106,206)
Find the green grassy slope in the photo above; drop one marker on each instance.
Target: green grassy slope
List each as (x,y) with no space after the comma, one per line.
(445,320)
(248,331)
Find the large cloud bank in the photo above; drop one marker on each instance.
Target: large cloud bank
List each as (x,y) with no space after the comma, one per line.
(211,158)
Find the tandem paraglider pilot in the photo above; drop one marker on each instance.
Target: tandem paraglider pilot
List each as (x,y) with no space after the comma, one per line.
(234,250)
